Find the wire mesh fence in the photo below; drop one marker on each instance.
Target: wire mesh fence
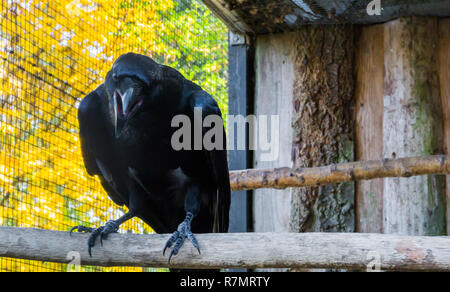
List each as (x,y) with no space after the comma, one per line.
(52,53)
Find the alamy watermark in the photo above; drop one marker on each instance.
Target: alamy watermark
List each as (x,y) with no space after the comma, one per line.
(264,133)
(374,264)
(374,8)
(75,261)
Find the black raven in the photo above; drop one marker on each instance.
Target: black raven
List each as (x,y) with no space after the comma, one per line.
(126,132)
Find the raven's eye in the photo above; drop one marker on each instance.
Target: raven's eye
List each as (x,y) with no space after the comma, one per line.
(114,77)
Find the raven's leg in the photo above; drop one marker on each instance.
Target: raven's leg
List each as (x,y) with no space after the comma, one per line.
(192,207)
(103,231)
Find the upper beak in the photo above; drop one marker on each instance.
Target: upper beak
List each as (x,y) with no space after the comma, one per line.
(121,103)
(125,99)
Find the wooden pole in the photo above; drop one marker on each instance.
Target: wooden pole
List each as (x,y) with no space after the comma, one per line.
(357,251)
(280,178)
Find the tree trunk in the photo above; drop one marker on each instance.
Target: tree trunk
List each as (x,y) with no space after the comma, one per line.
(323,122)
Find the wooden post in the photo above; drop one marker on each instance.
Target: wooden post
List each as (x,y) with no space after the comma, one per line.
(323,124)
(444,74)
(239,56)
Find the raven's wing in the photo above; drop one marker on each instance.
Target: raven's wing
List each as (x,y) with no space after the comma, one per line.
(87,111)
(217,162)
(92,123)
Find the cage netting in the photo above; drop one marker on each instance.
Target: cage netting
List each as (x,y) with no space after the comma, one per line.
(52,53)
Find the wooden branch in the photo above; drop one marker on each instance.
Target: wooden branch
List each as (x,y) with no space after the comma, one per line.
(281,178)
(251,250)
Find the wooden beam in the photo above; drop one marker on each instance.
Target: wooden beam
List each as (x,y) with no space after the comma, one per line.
(280,178)
(355,251)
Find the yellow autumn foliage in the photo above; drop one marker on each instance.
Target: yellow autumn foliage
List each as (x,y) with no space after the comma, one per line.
(52,53)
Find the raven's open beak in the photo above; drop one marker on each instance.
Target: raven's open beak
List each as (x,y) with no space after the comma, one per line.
(121,103)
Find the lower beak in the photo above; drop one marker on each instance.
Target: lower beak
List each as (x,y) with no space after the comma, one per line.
(119,126)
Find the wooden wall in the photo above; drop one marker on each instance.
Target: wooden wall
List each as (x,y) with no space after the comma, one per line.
(402,99)
(400,113)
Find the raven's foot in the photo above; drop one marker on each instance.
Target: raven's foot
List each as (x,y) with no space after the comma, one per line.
(102,231)
(178,237)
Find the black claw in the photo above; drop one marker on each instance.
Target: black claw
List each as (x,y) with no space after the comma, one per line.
(73,228)
(92,238)
(170,241)
(193,240)
(170,256)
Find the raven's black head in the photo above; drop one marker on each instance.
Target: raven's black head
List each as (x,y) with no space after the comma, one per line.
(132,84)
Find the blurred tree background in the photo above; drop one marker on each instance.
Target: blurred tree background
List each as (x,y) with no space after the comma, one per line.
(52,53)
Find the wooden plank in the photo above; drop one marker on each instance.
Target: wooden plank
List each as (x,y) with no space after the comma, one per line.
(274,88)
(250,250)
(369,125)
(412,125)
(444,74)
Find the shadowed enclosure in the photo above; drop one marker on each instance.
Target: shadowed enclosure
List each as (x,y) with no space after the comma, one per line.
(52,53)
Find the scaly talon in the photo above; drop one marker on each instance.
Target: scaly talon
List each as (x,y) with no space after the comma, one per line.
(102,231)
(178,237)
(110,227)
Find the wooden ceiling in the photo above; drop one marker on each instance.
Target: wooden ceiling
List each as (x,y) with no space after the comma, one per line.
(266,16)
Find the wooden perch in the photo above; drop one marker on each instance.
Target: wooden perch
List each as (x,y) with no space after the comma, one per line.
(251,250)
(280,178)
